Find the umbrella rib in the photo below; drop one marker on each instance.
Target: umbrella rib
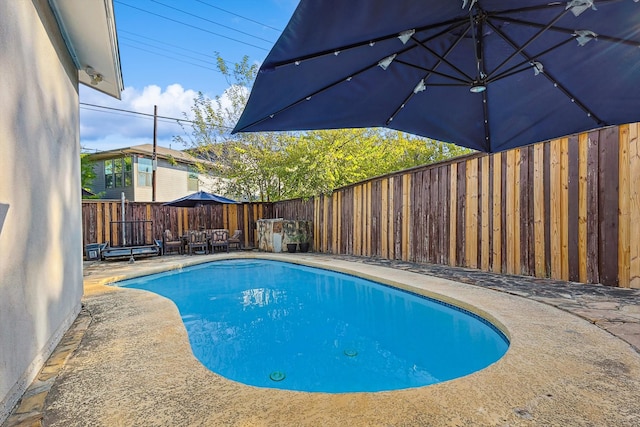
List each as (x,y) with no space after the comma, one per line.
(555,82)
(453,23)
(526,64)
(520,49)
(422,43)
(543,6)
(431,71)
(567,30)
(441,59)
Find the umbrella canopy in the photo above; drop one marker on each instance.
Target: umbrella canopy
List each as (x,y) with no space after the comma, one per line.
(197,199)
(487,74)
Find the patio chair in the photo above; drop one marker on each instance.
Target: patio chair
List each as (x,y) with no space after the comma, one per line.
(169,243)
(234,241)
(219,239)
(198,241)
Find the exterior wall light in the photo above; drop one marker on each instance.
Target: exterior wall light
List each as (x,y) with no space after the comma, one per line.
(95,76)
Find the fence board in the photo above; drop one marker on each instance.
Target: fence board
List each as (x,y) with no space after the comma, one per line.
(556,209)
(593,275)
(634,206)
(484,213)
(503,212)
(471,214)
(417,216)
(391,220)
(97,233)
(573,194)
(453,204)
(583,149)
(564,202)
(369,224)
(432,200)
(384,218)
(496,249)
(335,225)
(516,220)
(397,216)
(530,236)
(539,210)
(624,199)
(461,214)
(443,198)
(510,212)
(608,206)
(357,220)
(375,218)
(406,217)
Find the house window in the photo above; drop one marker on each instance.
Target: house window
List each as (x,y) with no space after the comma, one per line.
(128,171)
(108,173)
(117,173)
(145,172)
(192,183)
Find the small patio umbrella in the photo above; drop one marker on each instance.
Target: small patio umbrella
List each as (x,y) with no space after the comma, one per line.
(198,199)
(484,74)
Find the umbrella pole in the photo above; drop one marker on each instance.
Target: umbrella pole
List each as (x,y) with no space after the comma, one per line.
(124,235)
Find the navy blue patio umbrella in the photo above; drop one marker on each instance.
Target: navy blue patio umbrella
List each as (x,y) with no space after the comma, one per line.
(198,199)
(487,74)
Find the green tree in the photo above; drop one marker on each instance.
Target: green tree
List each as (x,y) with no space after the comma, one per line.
(244,163)
(87,173)
(319,161)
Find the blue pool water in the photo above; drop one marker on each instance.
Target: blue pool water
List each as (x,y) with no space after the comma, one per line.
(281,325)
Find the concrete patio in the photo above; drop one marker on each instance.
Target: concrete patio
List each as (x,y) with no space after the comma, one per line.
(127,359)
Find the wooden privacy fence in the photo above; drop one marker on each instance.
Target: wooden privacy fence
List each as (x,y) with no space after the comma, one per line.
(567,209)
(99,217)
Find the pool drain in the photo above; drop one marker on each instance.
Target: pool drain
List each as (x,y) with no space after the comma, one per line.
(277,376)
(350,352)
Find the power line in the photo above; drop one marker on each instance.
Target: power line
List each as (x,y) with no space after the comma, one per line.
(146,114)
(135,112)
(160,47)
(212,22)
(167,44)
(189,25)
(157,47)
(173,122)
(170,57)
(240,16)
(163,44)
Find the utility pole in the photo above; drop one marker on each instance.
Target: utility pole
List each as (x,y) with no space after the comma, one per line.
(154,159)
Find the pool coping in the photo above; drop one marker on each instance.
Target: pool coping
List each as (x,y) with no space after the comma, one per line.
(543,398)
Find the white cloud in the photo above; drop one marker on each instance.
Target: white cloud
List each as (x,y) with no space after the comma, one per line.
(103,129)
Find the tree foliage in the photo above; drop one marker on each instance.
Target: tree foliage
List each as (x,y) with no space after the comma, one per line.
(270,166)
(87,175)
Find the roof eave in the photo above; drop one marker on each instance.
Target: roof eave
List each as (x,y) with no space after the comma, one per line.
(89,31)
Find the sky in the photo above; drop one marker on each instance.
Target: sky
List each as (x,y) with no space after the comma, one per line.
(167,55)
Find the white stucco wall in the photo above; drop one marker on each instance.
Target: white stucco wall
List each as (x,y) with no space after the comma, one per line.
(40,207)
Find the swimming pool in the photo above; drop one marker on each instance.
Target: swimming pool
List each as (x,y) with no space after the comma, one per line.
(274,324)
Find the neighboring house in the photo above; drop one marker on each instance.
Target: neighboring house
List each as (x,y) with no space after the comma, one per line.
(47,47)
(130,170)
